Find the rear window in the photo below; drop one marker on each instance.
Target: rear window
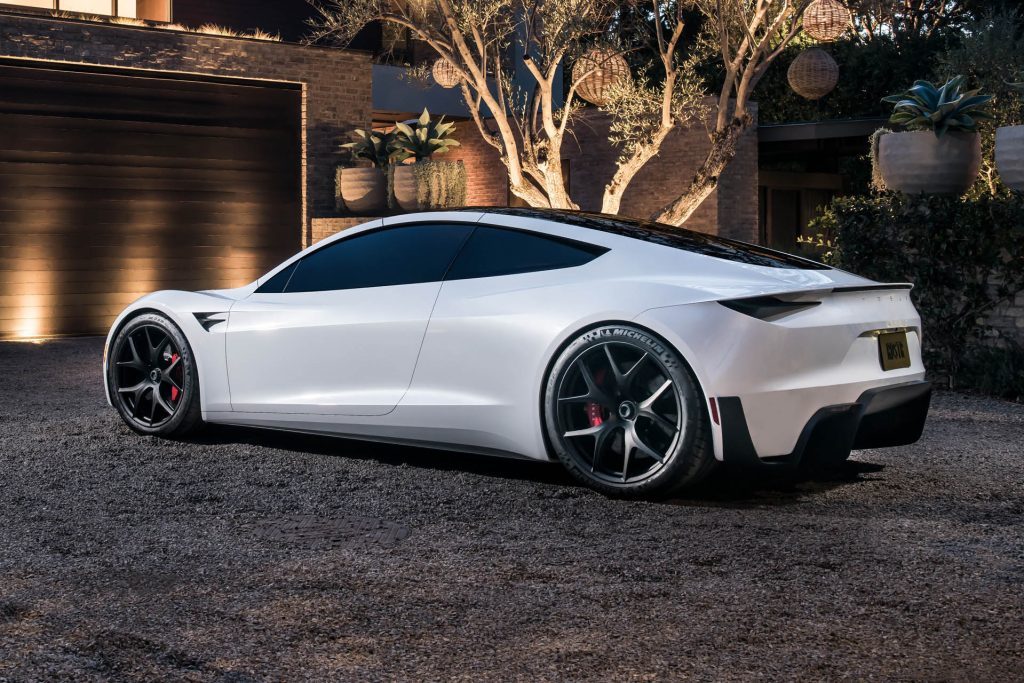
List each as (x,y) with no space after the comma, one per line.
(492,252)
(671,236)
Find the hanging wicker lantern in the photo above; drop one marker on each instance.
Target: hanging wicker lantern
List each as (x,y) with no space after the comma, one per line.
(445,74)
(826,20)
(597,72)
(813,74)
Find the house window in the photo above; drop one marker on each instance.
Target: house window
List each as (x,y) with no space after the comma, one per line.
(44,4)
(104,7)
(151,10)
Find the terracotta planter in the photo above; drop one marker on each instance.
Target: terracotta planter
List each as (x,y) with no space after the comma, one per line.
(404,188)
(362,190)
(917,162)
(1010,156)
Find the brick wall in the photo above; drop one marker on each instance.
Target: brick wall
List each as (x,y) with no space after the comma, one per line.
(592,163)
(486,179)
(336,83)
(325,227)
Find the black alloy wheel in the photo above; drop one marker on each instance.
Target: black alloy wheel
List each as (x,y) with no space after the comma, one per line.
(152,378)
(625,415)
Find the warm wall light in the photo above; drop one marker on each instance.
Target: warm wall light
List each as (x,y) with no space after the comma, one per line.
(32,289)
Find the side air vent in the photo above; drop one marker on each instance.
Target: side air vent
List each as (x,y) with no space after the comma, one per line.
(767,307)
(208,320)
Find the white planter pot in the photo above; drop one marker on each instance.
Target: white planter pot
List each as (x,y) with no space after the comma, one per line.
(918,162)
(362,190)
(1010,156)
(404,188)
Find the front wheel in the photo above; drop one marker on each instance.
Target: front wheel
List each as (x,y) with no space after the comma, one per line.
(152,377)
(625,415)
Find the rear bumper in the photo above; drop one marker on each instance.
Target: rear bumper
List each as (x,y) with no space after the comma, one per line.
(887,416)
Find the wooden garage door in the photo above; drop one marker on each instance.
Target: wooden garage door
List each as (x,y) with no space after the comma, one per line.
(114,184)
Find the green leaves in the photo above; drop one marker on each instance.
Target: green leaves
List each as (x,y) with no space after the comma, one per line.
(941,109)
(374,146)
(422,138)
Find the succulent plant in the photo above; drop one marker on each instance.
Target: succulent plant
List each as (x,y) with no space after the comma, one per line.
(374,146)
(929,107)
(422,138)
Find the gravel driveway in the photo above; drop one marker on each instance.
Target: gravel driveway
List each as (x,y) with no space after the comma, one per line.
(251,555)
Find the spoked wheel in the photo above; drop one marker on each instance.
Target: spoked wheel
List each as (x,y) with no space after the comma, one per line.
(625,416)
(152,377)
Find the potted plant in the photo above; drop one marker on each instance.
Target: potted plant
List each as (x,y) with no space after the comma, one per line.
(939,150)
(363,190)
(1010,151)
(426,183)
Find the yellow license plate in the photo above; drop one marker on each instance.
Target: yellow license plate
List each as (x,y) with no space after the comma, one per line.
(893,350)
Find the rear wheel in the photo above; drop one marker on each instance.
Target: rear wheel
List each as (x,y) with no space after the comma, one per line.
(625,415)
(152,376)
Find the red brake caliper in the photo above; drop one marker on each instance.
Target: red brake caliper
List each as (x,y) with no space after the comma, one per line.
(594,409)
(174,389)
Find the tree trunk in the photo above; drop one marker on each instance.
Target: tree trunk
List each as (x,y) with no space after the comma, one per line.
(705,180)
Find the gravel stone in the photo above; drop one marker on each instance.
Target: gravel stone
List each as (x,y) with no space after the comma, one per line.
(246,555)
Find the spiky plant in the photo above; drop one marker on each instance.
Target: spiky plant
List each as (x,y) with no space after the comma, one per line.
(422,138)
(260,34)
(940,109)
(217,30)
(374,146)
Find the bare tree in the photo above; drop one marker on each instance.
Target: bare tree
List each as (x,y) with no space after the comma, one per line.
(528,124)
(902,19)
(750,35)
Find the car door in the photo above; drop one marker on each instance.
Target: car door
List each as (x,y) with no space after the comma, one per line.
(504,300)
(338,331)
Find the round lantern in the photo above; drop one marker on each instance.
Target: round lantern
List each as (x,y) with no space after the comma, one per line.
(597,72)
(445,74)
(826,20)
(813,74)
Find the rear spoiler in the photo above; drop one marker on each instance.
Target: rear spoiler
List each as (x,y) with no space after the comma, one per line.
(774,306)
(875,287)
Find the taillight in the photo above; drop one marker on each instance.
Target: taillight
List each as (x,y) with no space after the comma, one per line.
(767,307)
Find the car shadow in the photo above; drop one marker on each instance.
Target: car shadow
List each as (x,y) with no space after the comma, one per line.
(728,486)
(732,486)
(388,454)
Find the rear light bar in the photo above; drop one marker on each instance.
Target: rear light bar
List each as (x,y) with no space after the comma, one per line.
(767,307)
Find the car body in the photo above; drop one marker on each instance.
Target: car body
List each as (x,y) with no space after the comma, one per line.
(786,352)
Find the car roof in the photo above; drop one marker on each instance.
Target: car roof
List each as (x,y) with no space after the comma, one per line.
(655,233)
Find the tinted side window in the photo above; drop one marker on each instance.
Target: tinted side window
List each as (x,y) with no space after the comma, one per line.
(494,251)
(403,255)
(276,284)
(671,236)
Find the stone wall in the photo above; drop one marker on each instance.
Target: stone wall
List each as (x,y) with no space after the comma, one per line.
(336,83)
(1008,319)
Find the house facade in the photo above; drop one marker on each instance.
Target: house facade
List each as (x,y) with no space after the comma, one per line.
(138,154)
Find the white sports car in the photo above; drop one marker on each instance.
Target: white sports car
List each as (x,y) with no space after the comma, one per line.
(639,355)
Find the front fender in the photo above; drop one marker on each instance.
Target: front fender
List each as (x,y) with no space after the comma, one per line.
(207,345)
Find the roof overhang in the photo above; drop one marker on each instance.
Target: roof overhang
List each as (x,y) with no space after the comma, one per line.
(818,130)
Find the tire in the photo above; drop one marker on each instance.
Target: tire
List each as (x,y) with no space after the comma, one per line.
(152,377)
(619,386)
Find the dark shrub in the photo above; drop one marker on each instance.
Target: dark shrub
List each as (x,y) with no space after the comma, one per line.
(965,257)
